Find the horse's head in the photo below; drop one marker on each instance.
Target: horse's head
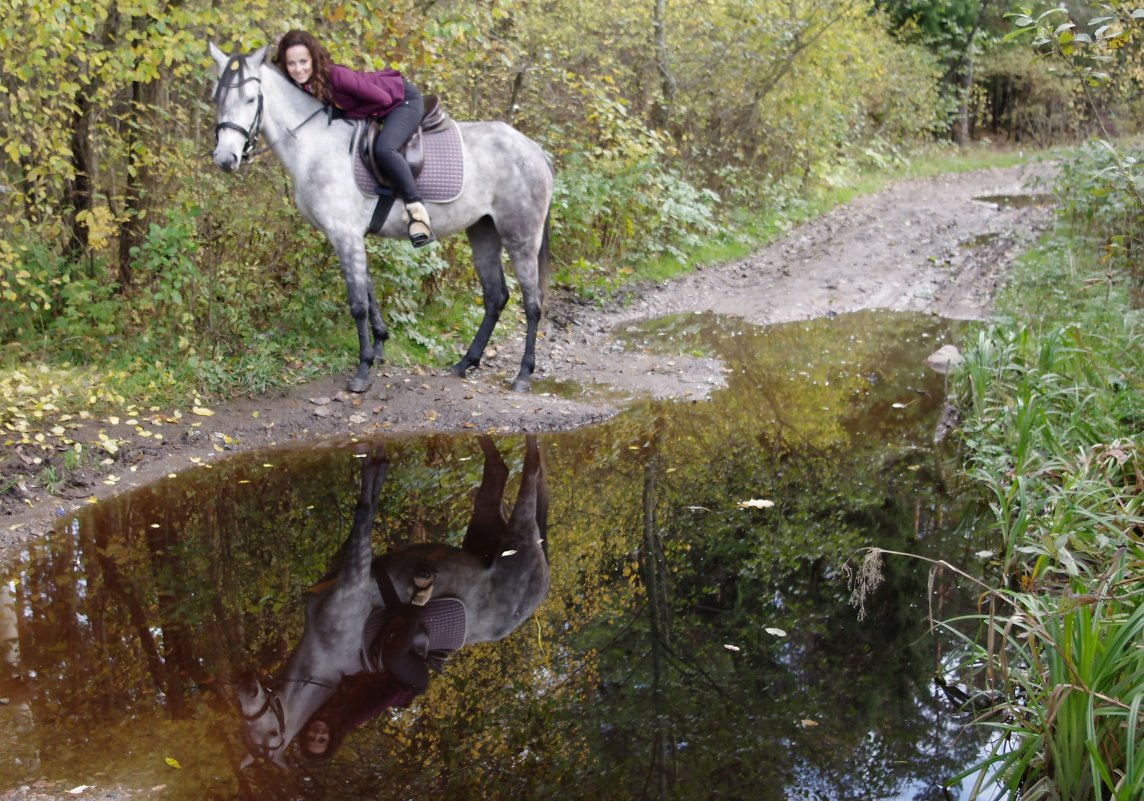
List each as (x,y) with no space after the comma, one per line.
(263,721)
(238,103)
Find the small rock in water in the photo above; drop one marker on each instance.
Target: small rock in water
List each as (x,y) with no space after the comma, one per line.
(944,359)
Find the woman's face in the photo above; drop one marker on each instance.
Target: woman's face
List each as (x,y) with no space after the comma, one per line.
(317,737)
(299,63)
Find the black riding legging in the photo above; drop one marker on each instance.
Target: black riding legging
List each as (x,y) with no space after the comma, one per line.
(397,127)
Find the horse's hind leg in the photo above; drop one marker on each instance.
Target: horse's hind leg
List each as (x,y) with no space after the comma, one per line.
(485,535)
(363,307)
(525,257)
(486,244)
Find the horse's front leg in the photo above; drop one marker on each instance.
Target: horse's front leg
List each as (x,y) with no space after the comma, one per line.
(364,309)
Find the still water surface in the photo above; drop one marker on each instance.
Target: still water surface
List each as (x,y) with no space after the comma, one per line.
(696,640)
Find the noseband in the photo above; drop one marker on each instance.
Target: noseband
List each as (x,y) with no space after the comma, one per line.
(233,77)
(264,750)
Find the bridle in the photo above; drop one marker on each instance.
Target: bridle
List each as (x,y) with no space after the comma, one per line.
(272,703)
(234,77)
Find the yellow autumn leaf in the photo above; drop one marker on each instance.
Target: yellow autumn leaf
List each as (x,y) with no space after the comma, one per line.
(174,763)
(202,411)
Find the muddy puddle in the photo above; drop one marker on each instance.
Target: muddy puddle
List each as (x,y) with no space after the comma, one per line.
(684,629)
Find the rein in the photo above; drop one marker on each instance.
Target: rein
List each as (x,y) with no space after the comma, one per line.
(237,65)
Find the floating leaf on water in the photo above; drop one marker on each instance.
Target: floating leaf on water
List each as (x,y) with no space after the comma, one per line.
(775,631)
(174,763)
(756,503)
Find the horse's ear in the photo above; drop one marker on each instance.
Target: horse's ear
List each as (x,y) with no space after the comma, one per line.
(220,58)
(255,58)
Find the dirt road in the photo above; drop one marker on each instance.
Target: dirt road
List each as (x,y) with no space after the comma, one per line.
(939,245)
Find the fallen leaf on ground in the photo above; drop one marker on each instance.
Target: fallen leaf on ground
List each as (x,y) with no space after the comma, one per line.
(756,503)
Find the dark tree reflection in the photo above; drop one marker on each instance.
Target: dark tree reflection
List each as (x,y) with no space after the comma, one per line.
(691,646)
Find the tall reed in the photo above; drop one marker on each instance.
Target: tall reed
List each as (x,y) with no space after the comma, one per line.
(1052,397)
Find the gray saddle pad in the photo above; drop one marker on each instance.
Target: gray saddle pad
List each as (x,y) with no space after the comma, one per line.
(443,618)
(442,178)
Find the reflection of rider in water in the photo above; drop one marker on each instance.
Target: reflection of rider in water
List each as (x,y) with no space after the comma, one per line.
(414,638)
(402,641)
(359,699)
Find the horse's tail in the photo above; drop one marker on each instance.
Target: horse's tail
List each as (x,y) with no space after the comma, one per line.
(544,258)
(544,261)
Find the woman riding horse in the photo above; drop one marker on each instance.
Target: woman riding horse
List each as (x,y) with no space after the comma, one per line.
(384,94)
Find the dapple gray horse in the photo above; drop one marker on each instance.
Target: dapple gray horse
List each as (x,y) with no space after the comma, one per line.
(500,573)
(504,204)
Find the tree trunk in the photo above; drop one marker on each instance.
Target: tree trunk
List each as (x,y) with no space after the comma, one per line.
(662,112)
(139,180)
(79,189)
(965,89)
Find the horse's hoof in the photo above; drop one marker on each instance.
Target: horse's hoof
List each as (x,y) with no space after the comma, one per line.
(358,385)
(522,385)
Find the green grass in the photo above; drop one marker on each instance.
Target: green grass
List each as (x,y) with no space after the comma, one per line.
(1053,398)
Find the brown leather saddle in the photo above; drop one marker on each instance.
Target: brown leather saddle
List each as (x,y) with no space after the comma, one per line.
(433,119)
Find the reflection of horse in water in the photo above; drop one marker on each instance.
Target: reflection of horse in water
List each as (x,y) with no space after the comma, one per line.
(499,575)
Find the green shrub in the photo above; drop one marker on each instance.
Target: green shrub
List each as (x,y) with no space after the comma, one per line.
(611,219)
(1101,189)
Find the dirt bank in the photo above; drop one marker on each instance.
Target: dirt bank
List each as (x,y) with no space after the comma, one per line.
(938,245)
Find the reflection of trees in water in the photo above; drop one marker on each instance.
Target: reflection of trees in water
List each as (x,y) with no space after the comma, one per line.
(737,716)
(621,686)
